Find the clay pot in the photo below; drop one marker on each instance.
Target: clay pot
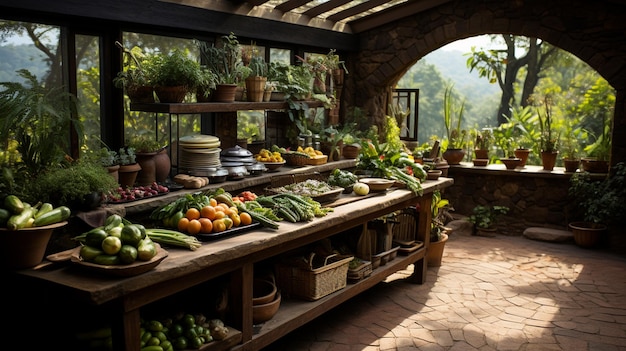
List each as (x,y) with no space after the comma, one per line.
(265,312)
(163,165)
(225,93)
(522,154)
(511,162)
(114,172)
(454,156)
(434,254)
(25,248)
(548,159)
(147,174)
(481,153)
(263,292)
(571,165)
(587,234)
(174,94)
(128,175)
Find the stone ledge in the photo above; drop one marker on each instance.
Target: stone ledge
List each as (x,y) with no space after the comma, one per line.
(548,234)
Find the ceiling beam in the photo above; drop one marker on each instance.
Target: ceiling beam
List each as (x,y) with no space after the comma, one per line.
(393,14)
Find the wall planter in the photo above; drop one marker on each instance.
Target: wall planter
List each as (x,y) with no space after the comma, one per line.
(587,234)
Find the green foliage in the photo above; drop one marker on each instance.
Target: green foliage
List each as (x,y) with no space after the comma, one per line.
(71,182)
(486,216)
(258,66)
(225,60)
(452,119)
(174,69)
(144,144)
(549,137)
(600,201)
(440,213)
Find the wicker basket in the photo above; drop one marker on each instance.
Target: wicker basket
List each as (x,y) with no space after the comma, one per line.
(318,160)
(297,279)
(297,160)
(363,271)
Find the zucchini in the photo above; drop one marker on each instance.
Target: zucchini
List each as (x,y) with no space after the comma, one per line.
(19,221)
(4,216)
(14,204)
(58,214)
(107,260)
(45,208)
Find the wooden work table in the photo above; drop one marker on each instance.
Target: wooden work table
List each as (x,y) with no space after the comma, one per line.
(236,256)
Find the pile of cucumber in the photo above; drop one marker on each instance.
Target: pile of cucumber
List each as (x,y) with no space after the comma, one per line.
(16,214)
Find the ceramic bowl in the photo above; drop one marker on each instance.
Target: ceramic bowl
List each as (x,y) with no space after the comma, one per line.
(263,292)
(25,248)
(377,184)
(265,312)
(272,166)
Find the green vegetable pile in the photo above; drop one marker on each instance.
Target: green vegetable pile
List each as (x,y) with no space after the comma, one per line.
(344,179)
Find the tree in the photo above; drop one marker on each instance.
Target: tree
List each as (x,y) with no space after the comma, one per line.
(503,67)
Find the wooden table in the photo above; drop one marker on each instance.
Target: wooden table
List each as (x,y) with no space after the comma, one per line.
(236,256)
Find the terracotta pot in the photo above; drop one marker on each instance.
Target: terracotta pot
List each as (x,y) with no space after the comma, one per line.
(433,174)
(225,93)
(26,247)
(454,156)
(587,234)
(175,94)
(114,172)
(147,174)
(480,162)
(548,159)
(265,312)
(163,165)
(128,175)
(481,153)
(511,162)
(434,254)
(571,165)
(592,165)
(522,154)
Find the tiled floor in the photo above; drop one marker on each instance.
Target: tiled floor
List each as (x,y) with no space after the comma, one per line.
(502,293)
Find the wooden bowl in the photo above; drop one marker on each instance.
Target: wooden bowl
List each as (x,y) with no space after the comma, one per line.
(263,291)
(377,184)
(265,312)
(25,248)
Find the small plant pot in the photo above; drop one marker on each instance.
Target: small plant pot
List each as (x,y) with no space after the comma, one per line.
(511,163)
(587,234)
(433,174)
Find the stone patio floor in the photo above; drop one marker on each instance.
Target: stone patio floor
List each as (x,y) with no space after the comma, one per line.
(500,293)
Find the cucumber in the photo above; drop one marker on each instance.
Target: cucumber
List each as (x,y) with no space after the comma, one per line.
(45,208)
(89,253)
(14,204)
(59,214)
(95,237)
(146,250)
(107,260)
(19,221)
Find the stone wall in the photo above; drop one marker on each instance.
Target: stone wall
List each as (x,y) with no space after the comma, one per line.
(593,31)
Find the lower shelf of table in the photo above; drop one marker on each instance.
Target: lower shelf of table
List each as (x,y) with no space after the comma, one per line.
(294,313)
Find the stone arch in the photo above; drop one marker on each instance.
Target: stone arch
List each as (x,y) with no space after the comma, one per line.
(594,32)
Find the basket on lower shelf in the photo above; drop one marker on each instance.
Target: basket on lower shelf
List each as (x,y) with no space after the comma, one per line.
(297,277)
(360,272)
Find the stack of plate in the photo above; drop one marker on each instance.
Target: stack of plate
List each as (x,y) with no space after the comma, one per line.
(198,153)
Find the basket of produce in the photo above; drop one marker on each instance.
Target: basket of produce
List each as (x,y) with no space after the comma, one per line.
(318,160)
(297,159)
(312,278)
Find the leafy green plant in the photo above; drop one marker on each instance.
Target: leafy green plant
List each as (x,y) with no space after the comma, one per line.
(600,201)
(549,137)
(486,216)
(126,156)
(440,214)
(225,60)
(144,144)
(258,66)
(456,137)
(134,73)
(174,69)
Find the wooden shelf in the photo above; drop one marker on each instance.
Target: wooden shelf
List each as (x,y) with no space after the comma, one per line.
(204,107)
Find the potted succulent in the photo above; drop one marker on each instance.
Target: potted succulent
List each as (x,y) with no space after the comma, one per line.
(129,168)
(598,202)
(146,150)
(484,218)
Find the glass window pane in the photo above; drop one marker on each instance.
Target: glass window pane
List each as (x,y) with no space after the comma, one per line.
(88,88)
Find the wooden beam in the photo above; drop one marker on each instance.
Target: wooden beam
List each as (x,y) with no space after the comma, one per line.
(393,14)
(325,7)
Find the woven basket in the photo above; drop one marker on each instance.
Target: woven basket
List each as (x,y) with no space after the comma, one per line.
(318,160)
(296,159)
(363,271)
(296,279)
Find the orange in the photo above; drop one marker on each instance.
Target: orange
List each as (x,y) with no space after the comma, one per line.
(183,223)
(212,202)
(208,211)
(224,206)
(219,225)
(245,217)
(192,213)
(236,219)
(207,225)
(194,227)
(219,214)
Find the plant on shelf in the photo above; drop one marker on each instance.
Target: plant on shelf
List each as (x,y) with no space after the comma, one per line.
(225,60)
(484,218)
(135,78)
(207,81)
(257,79)
(452,119)
(126,156)
(483,141)
(174,75)
(549,137)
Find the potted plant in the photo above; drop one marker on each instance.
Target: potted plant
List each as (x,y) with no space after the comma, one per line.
(336,66)
(108,159)
(135,78)
(129,168)
(80,185)
(484,218)
(456,137)
(175,75)
(256,81)
(207,81)
(571,159)
(599,152)
(146,150)
(549,138)
(598,202)
(225,61)
(440,215)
